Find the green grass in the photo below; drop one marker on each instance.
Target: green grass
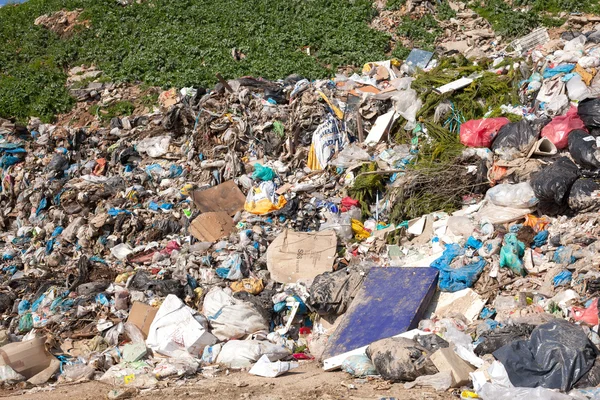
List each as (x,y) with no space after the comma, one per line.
(422,32)
(117,109)
(178,43)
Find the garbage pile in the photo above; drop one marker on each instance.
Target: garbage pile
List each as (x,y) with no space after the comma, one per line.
(364,222)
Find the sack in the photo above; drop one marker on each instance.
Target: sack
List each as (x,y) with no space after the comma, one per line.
(230,318)
(178,330)
(552,184)
(589,112)
(515,139)
(327,140)
(557,131)
(400,359)
(583,149)
(359,366)
(481,132)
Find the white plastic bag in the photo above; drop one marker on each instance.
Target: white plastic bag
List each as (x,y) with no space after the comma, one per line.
(440,381)
(589,62)
(490,391)
(243,353)
(178,330)
(351,155)
(519,195)
(577,89)
(155,147)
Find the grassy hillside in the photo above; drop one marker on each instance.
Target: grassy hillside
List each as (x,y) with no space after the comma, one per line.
(180,43)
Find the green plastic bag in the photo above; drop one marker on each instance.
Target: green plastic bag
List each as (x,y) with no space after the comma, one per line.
(511,254)
(262,173)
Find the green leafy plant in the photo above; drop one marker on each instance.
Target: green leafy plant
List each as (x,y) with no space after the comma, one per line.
(422,32)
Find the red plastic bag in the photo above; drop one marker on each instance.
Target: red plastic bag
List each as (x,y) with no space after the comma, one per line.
(588,315)
(557,131)
(481,132)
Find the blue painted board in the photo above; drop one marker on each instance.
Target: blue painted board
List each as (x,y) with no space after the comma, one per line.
(391,301)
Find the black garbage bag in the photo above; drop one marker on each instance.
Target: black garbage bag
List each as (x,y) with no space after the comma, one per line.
(492,340)
(59,163)
(515,139)
(583,149)
(552,184)
(400,359)
(584,196)
(556,356)
(332,292)
(589,112)
(165,287)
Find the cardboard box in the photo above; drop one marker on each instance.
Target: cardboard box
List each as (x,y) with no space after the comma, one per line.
(212,226)
(447,360)
(142,315)
(224,197)
(301,255)
(28,358)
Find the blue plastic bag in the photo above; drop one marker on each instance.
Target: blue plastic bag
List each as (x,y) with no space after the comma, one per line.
(455,279)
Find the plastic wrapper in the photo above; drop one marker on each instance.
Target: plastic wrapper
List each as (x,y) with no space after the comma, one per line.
(577,89)
(584,196)
(481,132)
(584,150)
(552,184)
(519,195)
(557,131)
(515,139)
(9,376)
(589,112)
(556,356)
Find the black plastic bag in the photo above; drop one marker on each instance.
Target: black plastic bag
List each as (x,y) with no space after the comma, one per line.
(589,112)
(493,340)
(581,197)
(583,149)
(556,356)
(515,139)
(332,292)
(552,184)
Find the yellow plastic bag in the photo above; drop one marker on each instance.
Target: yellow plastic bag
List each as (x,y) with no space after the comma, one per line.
(263,199)
(250,285)
(360,233)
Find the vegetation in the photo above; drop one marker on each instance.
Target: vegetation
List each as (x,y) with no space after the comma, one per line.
(178,43)
(422,32)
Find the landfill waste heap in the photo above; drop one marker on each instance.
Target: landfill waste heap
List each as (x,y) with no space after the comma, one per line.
(431,221)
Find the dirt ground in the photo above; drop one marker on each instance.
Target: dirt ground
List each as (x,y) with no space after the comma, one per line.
(307,382)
